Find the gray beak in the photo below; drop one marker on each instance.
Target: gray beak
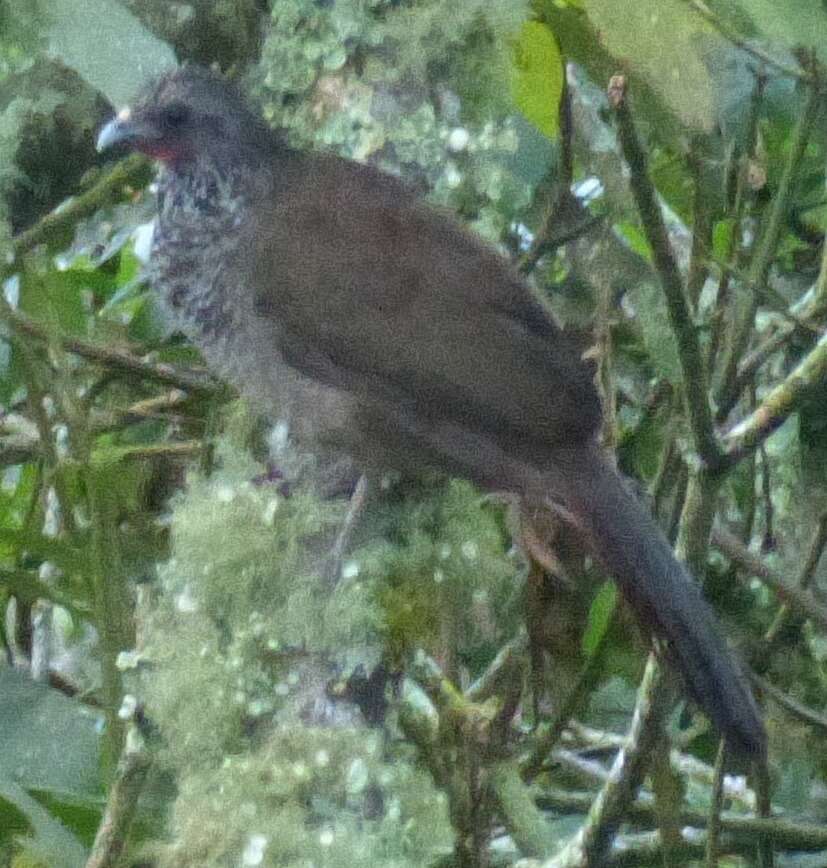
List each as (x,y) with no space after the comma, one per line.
(123,129)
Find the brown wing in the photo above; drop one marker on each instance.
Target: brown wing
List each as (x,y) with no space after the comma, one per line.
(380,294)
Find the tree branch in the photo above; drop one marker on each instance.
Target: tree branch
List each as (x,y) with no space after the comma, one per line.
(793,708)
(788,834)
(775,408)
(680,317)
(122,803)
(766,247)
(802,602)
(54,229)
(591,845)
(750,48)
(118,360)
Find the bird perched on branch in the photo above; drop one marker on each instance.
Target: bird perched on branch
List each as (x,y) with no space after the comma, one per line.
(387,331)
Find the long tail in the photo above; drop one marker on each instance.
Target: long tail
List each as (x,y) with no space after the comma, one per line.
(664,596)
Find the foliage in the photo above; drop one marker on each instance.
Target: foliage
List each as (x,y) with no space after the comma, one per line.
(35,760)
(400,716)
(236,657)
(352,76)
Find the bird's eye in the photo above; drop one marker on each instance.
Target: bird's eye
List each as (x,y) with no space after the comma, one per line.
(175,115)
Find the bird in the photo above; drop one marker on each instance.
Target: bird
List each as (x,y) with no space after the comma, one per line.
(388,332)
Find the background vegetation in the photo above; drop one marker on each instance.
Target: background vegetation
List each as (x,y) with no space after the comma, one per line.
(210,659)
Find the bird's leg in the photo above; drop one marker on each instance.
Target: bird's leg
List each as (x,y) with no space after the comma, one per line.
(356,508)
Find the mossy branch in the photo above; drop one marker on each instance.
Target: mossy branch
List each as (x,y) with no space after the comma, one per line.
(776,407)
(55,229)
(738,831)
(121,804)
(590,846)
(117,360)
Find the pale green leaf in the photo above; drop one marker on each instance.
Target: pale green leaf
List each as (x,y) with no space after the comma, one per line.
(538,77)
(664,43)
(51,842)
(793,24)
(650,311)
(48,742)
(600,617)
(105,44)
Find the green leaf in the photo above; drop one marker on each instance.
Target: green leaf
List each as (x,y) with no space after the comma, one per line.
(94,37)
(538,77)
(56,301)
(666,44)
(48,742)
(641,447)
(600,618)
(129,266)
(84,280)
(796,24)
(146,323)
(51,842)
(650,310)
(48,745)
(634,237)
(17,490)
(722,238)
(70,559)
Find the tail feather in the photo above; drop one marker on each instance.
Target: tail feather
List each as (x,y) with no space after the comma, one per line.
(664,596)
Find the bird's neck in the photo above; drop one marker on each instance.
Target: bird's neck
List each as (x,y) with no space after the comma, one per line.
(202,210)
(202,194)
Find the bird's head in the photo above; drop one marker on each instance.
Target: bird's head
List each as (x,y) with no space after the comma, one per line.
(187,114)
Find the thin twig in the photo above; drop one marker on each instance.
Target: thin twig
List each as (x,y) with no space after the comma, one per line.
(737,198)
(355,512)
(805,578)
(590,846)
(754,51)
(788,834)
(713,828)
(775,408)
(801,602)
(795,709)
(547,736)
(768,542)
(750,365)
(767,246)
(698,270)
(506,668)
(689,351)
(119,360)
(766,842)
(54,228)
(556,191)
(596,741)
(768,295)
(566,138)
(20,441)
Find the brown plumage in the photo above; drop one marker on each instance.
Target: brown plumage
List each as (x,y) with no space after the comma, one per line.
(387,331)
